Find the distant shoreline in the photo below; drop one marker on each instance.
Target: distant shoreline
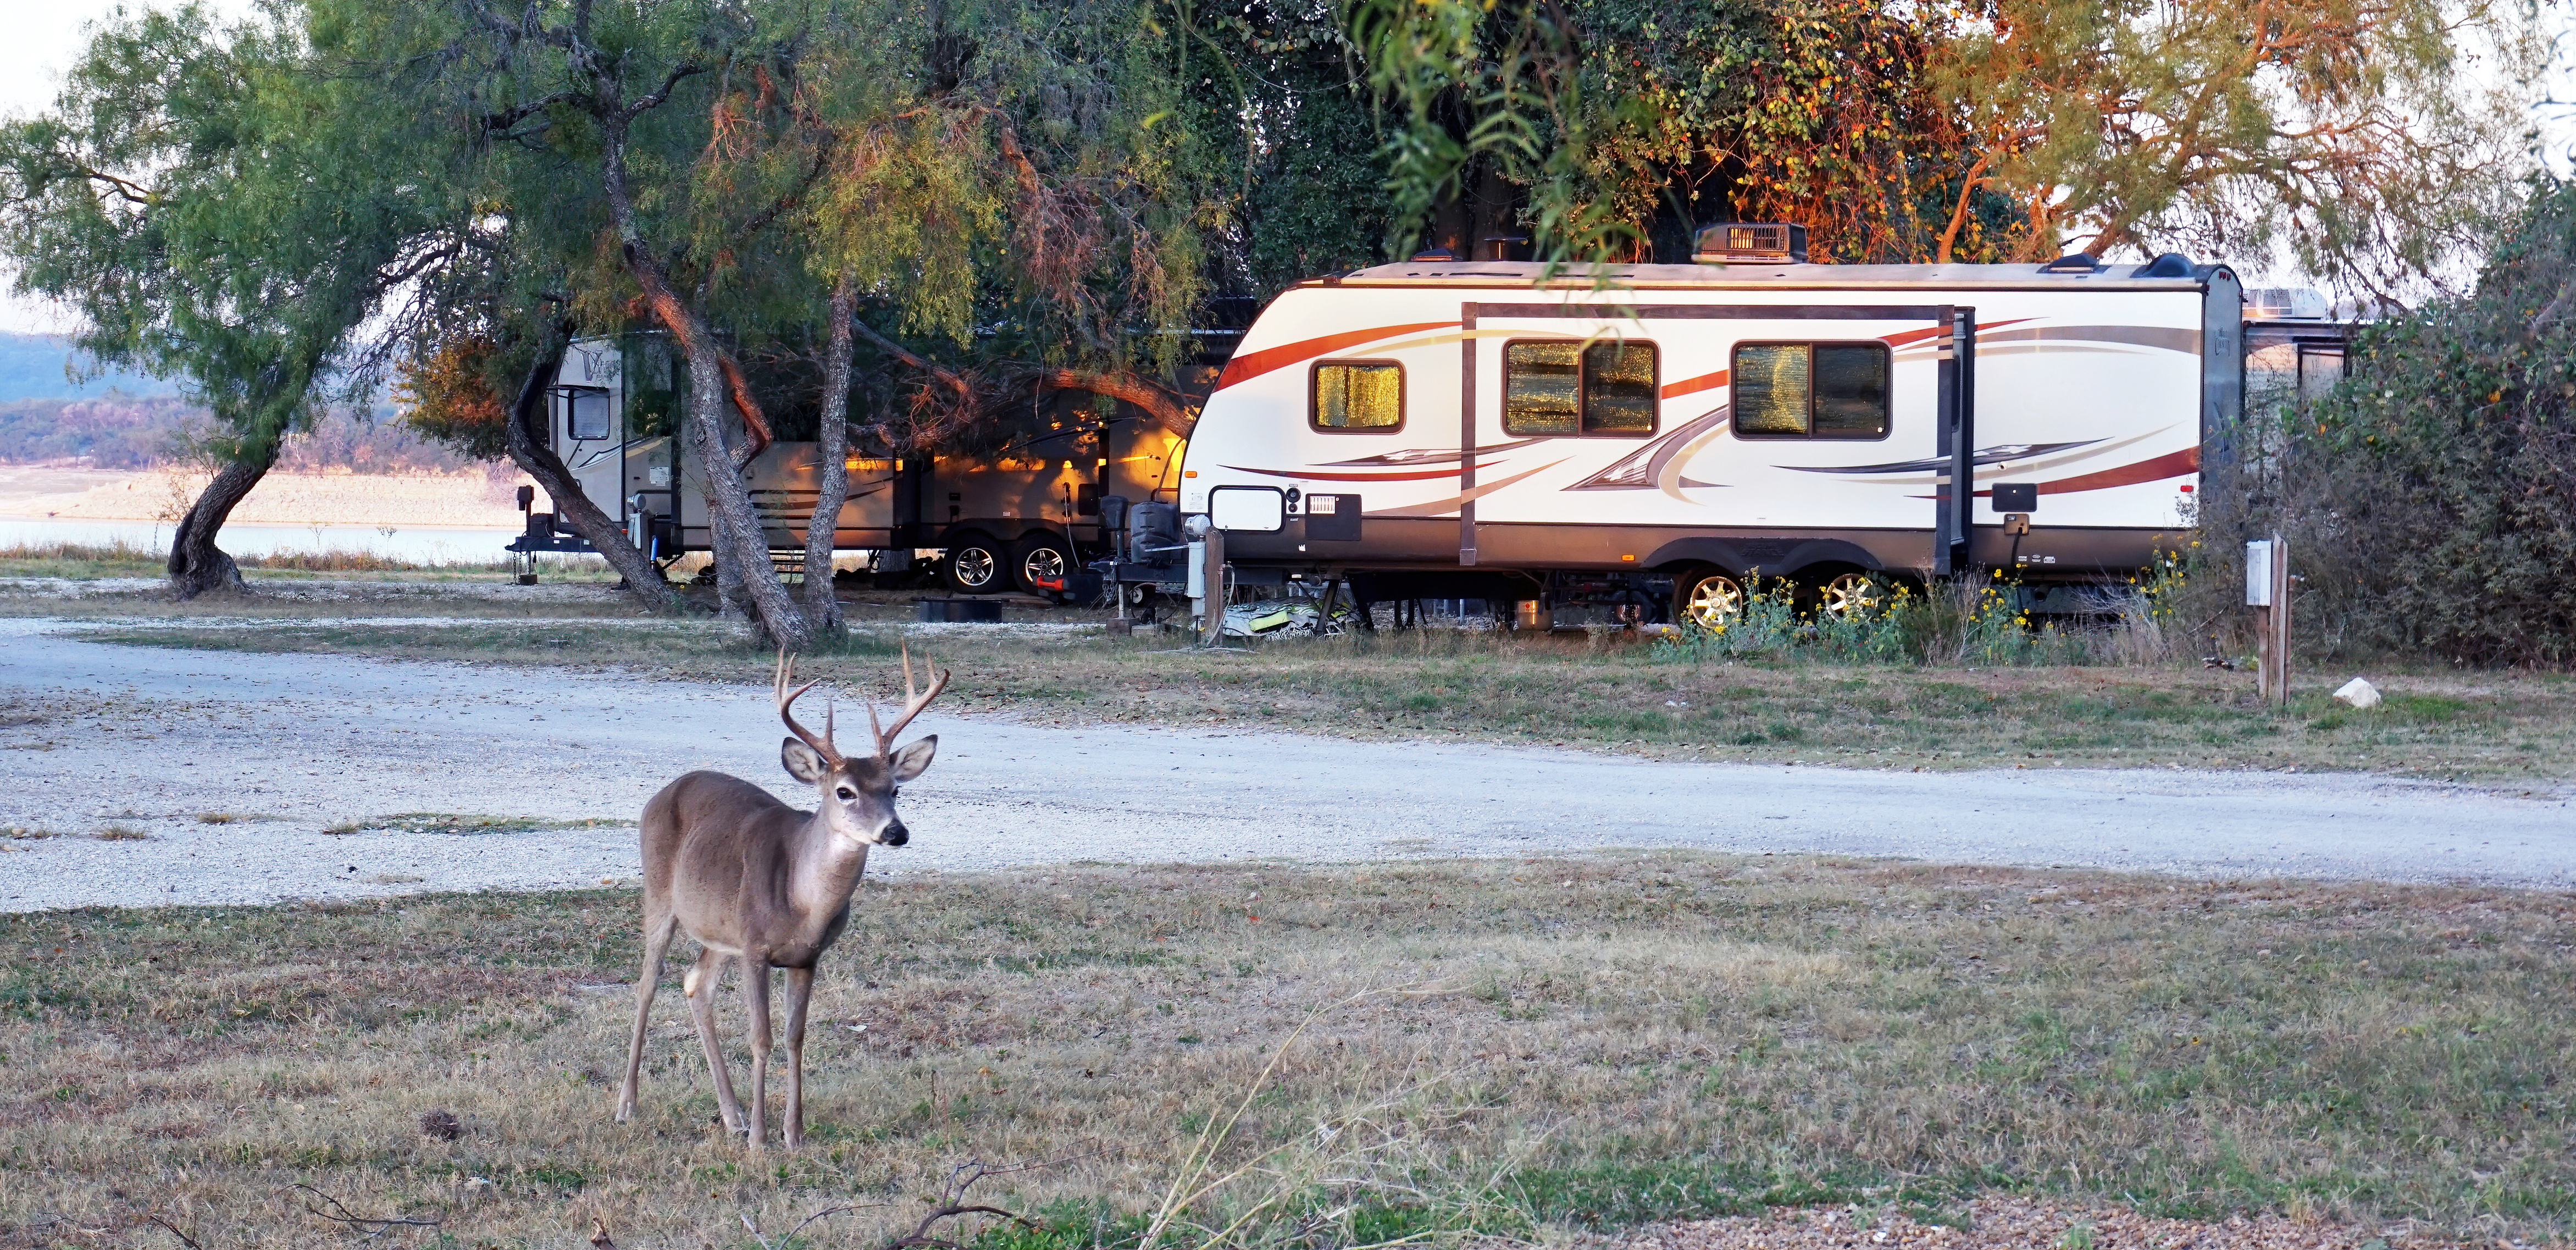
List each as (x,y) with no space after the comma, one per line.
(469,500)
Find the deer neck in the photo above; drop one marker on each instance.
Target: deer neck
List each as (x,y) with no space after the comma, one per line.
(824,870)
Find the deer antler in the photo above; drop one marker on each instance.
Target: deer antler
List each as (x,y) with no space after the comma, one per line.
(785,673)
(913,704)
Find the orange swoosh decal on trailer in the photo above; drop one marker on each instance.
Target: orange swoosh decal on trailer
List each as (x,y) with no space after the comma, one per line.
(1712,381)
(1692,386)
(1358,477)
(1249,365)
(1450,505)
(2170,464)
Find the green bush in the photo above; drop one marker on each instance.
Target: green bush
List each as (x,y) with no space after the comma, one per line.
(2430,499)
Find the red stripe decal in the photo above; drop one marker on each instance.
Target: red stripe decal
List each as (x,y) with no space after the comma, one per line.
(2170,464)
(1711,381)
(1687,386)
(1357,477)
(1250,365)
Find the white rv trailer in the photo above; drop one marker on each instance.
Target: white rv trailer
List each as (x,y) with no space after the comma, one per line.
(1013,520)
(1490,429)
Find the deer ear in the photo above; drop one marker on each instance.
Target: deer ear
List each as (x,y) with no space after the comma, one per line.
(914,760)
(802,762)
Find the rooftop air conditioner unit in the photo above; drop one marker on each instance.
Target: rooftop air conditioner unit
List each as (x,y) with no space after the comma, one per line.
(2268,303)
(1733,242)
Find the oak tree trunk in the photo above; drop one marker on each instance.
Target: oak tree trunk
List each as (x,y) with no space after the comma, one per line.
(821,608)
(734,525)
(197,566)
(573,507)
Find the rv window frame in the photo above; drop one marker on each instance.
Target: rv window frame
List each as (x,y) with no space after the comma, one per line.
(1316,369)
(1583,385)
(1887,403)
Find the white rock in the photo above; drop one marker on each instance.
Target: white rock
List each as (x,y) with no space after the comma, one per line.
(2359,693)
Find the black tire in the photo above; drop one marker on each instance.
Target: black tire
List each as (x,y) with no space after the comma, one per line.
(975,565)
(1040,556)
(1705,597)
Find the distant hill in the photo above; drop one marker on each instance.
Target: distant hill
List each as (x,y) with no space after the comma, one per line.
(31,367)
(127,421)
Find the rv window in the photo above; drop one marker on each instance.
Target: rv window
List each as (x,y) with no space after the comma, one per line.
(1619,388)
(1540,383)
(588,415)
(1558,388)
(1811,390)
(1358,395)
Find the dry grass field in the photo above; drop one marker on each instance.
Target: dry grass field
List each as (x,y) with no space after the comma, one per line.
(2499,728)
(1312,1058)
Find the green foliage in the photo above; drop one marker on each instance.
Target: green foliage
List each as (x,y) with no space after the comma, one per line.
(2354,137)
(1977,623)
(2434,490)
(218,210)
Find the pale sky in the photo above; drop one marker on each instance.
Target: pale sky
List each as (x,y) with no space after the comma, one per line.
(44,38)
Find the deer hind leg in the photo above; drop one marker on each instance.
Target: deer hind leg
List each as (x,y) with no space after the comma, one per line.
(701,986)
(800,987)
(657,942)
(755,1001)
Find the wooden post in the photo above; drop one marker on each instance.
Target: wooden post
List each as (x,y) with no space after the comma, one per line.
(2276,666)
(2267,591)
(1212,625)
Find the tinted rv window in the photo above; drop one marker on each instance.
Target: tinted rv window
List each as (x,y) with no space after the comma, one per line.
(1811,390)
(1541,384)
(1557,388)
(1358,395)
(1619,388)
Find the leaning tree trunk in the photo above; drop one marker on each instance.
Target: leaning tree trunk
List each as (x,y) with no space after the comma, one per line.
(821,608)
(734,525)
(197,565)
(573,507)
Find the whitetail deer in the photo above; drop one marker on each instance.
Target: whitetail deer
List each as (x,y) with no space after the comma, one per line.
(753,879)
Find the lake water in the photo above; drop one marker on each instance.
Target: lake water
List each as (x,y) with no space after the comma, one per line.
(418,545)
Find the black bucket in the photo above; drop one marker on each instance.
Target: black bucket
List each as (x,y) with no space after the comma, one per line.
(928,610)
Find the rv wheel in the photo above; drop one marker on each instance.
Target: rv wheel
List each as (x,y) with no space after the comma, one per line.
(974,565)
(1853,596)
(1042,559)
(1707,599)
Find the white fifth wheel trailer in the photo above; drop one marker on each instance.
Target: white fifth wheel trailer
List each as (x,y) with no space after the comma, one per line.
(1021,518)
(1497,430)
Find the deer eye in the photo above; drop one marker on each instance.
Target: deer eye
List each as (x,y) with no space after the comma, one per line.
(847,794)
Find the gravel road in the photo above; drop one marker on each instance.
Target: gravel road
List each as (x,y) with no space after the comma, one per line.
(95,735)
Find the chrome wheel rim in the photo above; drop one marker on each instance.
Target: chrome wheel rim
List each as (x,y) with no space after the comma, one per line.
(1713,601)
(1852,595)
(974,566)
(1044,564)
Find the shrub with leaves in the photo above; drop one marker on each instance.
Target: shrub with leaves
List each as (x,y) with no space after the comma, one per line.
(2435,488)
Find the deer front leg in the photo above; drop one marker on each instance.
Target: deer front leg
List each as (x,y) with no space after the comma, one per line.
(700,986)
(657,942)
(755,1001)
(800,987)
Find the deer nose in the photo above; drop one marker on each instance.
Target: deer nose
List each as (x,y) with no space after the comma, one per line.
(894,834)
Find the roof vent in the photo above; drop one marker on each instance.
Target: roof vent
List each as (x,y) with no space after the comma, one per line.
(2072,262)
(1435,253)
(2272,302)
(1751,242)
(2169,265)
